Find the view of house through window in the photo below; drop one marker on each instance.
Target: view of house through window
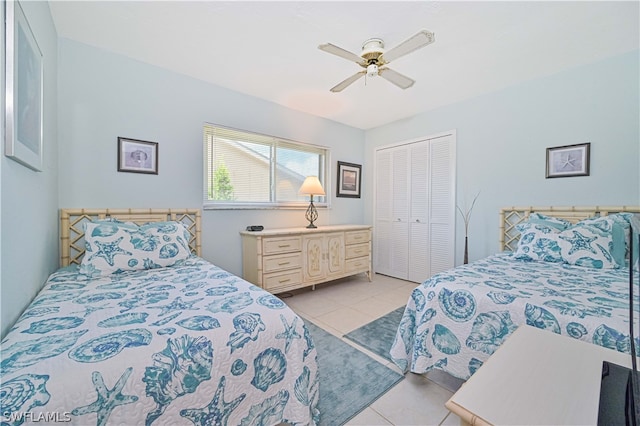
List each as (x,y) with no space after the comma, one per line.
(249,169)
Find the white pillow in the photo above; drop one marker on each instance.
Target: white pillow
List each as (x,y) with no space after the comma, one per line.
(115,247)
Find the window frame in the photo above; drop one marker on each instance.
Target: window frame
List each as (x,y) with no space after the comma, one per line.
(325,178)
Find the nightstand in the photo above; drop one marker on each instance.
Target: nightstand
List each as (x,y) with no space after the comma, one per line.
(537,378)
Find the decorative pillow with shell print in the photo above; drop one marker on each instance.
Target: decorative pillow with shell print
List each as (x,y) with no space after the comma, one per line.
(113,247)
(588,243)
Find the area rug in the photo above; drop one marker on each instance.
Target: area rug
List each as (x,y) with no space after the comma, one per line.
(377,336)
(349,380)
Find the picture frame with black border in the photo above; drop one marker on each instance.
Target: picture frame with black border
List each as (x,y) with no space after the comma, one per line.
(349,180)
(568,160)
(137,156)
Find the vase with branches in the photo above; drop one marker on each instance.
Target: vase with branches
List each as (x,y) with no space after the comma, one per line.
(466,217)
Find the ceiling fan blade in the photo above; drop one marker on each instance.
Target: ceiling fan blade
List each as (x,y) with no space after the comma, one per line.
(345,83)
(415,42)
(338,51)
(402,81)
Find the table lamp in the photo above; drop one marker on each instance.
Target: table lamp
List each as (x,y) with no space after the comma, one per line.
(311,186)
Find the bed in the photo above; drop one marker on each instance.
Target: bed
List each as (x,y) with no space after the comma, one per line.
(167,338)
(547,275)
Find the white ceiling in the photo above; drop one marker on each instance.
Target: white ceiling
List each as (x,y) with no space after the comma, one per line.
(269,49)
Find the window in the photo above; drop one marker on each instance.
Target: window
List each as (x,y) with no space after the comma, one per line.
(244,169)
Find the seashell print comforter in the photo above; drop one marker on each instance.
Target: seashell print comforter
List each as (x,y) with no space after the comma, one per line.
(181,345)
(455,320)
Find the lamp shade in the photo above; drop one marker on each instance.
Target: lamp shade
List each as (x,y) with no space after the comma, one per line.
(311,186)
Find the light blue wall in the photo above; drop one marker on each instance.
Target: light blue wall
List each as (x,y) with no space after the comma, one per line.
(104,95)
(29,226)
(502,139)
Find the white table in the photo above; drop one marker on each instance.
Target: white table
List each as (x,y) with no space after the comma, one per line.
(538,378)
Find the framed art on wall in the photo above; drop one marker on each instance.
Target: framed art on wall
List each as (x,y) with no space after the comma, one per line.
(136,156)
(568,160)
(349,180)
(24,90)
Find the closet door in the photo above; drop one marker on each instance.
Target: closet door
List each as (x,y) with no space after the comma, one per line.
(400,212)
(415,208)
(383,212)
(442,208)
(418,268)
(391,250)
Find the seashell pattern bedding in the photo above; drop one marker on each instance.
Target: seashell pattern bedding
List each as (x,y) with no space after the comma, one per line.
(455,320)
(186,344)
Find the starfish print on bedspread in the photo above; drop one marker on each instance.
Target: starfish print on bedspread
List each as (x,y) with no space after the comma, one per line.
(108,251)
(177,305)
(217,412)
(107,399)
(289,332)
(580,242)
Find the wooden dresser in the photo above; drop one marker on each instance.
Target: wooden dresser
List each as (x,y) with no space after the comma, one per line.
(285,259)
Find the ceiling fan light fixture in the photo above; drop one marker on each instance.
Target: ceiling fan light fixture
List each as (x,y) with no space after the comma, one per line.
(372,70)
(372,47)
(374,59)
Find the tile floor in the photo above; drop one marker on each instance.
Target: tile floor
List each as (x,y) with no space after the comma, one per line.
(346,304)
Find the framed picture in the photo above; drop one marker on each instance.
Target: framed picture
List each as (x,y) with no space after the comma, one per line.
(24,90)
(568,160)
(349,180)
(137,156)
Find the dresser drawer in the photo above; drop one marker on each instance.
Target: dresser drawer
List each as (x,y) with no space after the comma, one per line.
(282,262)
(355,237)
(357,250)
(277,280)
(275,245)
(359,264)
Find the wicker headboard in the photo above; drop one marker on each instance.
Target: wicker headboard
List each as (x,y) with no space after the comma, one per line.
(511,216)
(72,230)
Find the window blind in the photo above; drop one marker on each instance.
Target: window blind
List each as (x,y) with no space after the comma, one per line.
(245,169)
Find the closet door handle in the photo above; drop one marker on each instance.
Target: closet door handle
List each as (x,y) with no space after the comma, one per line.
(418,220)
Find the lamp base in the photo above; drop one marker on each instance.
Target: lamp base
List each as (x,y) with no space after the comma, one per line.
(311,214)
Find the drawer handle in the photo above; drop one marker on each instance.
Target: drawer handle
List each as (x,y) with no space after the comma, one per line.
(285,280)
(283,263)
(283,245)
(358,251)
(357,237)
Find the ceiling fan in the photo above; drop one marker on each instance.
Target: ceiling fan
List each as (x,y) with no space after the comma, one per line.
(373,59)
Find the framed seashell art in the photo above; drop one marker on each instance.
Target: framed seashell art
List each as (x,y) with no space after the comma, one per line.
(136,156)
(569,160)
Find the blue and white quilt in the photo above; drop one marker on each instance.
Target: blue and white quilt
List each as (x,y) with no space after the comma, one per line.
(186,344)
(455,320)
